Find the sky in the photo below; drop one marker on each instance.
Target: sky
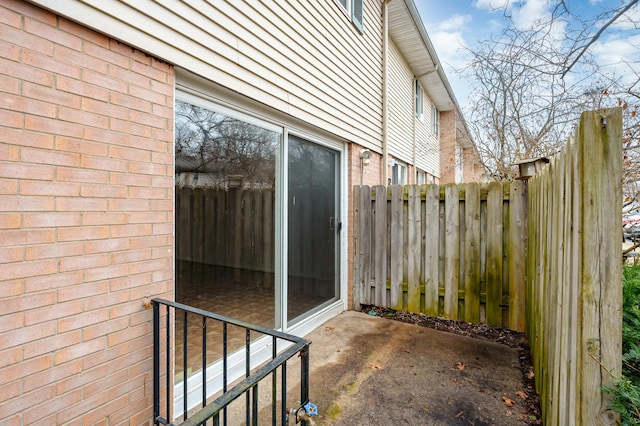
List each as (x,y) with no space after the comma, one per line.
(452,24)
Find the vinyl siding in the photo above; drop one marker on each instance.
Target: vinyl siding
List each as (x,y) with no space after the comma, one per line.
(427,142)
(303,58)
(401,108)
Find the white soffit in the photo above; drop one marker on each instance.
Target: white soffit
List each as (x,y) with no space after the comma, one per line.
(408,33)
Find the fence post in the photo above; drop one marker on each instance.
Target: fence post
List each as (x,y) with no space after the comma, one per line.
(600,294)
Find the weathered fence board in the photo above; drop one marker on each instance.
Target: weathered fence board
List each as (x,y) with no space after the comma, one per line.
(573,294)
(443,250)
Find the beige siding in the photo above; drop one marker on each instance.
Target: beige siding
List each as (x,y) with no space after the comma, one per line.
(302,58)
(427,142)
(401,109)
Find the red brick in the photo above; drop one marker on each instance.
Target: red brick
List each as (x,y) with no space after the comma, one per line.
(25,72)
(78,351)
(148,193)
(91,190)
(107,136)
(131,256)
(83,89)
(129,281)
(52,375)
(26,105)
(150,72)
(153,241)
(42,187)
(83,233)
(9,84)
(125,309)
(85,406)
(19,370)
(102,357)
(50,32)
(162,205)
(84,118)
(54,96)
(149,144)
(36,140)
(11,119)
(146,168)
(10,254)
(11,18)
(85,33)
(135,414)
(128,51)
(148,217)
(27,334)
(9,153)
(113,58)
(36,252)
(117,378)
(10,391)
(50,344)
(53,406)
(119,231)
(81,146)
(50,282)
(105,108)
(26,204)
(149,119)
(46,312)
(10,51)
(8,186)
(51,220)
(165,135)
(104,328)
(58,158)
(34,12)
(26,401)
(162,228)
(111,218)
(81,291)
(8,357)
(56,127)
(107,246)
(159,99)
(70,383)
(82,320)
(84,262)
(129,153)
(44,62)
(128,179)
(130,128)
(25,40)
(128,205)
(108,272)
(28,269)
(71,56)
(81,204)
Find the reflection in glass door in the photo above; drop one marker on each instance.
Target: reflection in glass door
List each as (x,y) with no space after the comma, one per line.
(313,227)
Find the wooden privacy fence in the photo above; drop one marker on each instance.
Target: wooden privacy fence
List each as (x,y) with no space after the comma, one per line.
(456,251)
(231,228)
(574,273)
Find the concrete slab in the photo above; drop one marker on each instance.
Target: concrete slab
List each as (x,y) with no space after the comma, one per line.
(367,370)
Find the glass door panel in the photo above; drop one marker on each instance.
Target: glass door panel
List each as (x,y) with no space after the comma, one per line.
(225,218)
(313,227)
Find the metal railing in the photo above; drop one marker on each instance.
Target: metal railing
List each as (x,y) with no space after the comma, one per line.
(216,409)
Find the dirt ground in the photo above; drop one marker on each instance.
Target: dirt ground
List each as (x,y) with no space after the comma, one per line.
(382,367)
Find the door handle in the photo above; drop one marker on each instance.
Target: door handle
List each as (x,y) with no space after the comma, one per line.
(335,224)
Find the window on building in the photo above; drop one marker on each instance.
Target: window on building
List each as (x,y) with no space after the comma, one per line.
(419,100)
(421,177)
(398,174)
(355,9)
(435,119)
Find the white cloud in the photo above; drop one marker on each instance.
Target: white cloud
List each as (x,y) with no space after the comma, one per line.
(629,20)
(491,5)
(450,47)
(526,15)
(454,23)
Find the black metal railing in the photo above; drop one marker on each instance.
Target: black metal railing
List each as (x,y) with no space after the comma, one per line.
(215,410)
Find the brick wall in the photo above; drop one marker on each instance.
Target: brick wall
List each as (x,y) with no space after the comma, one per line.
(86,220)
(447,146)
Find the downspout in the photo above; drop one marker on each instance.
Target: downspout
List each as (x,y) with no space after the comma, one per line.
(385,92)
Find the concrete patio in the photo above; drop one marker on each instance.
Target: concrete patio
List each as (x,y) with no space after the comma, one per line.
(367,370)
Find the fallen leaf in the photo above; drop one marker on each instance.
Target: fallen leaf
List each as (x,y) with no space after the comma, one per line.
(460,366)
(509,413)
(454,380)
(522,394)
(508,401)
(479,367)
(530,375)
(329,328)
(375,366)
(407,350)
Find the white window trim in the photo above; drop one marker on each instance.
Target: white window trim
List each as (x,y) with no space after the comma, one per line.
(355,12)
(435,119)
(419,100)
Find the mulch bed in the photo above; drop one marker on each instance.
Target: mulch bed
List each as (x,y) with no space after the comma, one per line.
(510,338)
